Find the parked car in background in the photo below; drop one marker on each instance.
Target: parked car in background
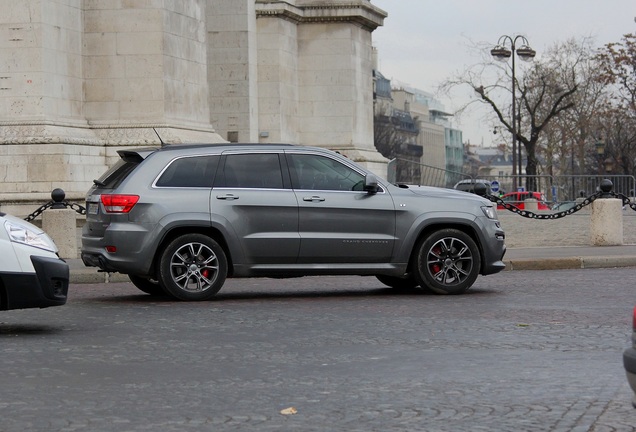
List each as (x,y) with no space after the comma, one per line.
(468,185)
(517,199)
(180,219)
(629,360)
(563,206)
(31,273)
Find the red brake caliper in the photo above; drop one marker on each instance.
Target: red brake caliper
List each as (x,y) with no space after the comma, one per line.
(436,267)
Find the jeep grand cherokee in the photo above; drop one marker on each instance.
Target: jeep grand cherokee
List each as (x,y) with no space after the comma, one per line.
(182,218)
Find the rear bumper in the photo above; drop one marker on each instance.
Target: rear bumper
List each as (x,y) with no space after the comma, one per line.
(48,286)
(629,361)
(130,256)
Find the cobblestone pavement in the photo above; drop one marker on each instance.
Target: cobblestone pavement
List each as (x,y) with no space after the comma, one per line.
(522,351)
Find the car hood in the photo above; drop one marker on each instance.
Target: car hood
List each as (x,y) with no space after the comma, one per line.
(446,193)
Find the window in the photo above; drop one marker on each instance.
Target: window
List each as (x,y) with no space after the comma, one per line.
(195,171)
(315,172)
(257,170)
(118,173)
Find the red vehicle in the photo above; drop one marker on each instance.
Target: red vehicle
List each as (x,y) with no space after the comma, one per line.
(517,199)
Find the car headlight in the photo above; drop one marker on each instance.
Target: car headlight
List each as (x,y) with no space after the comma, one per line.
(24,234)
(490,212)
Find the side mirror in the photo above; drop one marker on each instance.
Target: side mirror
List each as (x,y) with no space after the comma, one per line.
(371,184)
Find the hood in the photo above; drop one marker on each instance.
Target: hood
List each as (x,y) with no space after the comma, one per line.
(446,193)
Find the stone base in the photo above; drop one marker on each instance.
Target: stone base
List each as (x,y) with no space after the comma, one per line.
(606,222)
(37,158)
(61,226)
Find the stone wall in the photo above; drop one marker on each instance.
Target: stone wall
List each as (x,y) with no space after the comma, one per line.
(82,79)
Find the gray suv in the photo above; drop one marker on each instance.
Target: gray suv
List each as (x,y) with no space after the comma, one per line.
(182,218)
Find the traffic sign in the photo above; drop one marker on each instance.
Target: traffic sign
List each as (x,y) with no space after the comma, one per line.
(494,186)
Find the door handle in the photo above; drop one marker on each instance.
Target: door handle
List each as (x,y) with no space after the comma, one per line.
(313,198)
(227,197)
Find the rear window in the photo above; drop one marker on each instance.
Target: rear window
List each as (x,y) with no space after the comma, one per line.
(194,171)
(117,174)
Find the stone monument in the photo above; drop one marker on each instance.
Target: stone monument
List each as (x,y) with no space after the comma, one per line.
(80,80)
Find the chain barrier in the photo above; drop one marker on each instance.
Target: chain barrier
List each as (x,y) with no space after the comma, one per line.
(532,215)
(605,192)
(626,200)
(57,203)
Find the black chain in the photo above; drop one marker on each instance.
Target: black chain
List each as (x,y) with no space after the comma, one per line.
(558,215)
(78,208)
(625,199)
(589,200)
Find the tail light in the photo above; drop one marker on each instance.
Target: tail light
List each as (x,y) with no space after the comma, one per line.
(119,203)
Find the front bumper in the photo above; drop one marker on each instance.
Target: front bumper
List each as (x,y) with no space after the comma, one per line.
(493,242)
(48,286)
(629,361)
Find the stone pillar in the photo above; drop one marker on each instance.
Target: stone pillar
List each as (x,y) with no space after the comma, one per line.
(232,69)
(335,60)
(531,204)
(61,226)
(606,222)
(316,81)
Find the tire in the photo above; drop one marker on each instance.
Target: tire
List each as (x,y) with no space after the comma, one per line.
(146,285)
(397,282)
(447,262)
(192,267)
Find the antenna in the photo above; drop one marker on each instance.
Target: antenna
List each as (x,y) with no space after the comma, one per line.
(160,140)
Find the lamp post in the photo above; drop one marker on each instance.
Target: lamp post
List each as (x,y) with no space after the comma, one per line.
(502,53)
(600,151)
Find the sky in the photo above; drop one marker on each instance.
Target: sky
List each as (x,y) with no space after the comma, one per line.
(423,42)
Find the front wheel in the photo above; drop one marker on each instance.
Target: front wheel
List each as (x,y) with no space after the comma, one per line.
(447,262)
(193,267)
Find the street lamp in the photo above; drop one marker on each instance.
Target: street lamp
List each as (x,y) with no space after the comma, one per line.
(502,53)
(600,151)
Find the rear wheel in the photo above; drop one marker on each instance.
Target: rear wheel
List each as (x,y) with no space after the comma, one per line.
(193,267)
(149,286)
(448,262)
(397,282)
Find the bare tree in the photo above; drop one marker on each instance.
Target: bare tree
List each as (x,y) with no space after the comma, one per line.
(543,96)
(618,71)
(394,140)
(568,141)
(544,93)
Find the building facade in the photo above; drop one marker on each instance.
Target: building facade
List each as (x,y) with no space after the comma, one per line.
(81,79)
(412,129)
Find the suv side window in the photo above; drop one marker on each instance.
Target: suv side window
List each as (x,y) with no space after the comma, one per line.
(193,171)
(315,172)
(251,170)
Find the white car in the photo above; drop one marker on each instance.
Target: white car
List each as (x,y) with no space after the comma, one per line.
(32,275)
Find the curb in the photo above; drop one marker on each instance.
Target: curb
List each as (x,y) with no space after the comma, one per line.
(579,262)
